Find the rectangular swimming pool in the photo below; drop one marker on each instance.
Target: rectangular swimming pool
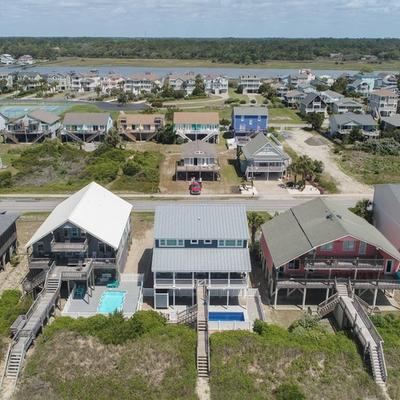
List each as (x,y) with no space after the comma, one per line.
(225,316)
(111,301)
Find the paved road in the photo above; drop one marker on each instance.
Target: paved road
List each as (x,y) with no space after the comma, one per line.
(270,204)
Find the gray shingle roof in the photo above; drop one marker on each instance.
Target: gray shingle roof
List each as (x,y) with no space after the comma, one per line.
(250,110)
(393,120)
(201,222)
(360,119)
(317,222)
(201,260)
(257,143)
(309,98)
(6,220)
(44,116)
(86,118)
(348,102)
(198,148)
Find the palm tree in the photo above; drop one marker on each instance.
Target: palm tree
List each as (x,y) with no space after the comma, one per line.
(255,220)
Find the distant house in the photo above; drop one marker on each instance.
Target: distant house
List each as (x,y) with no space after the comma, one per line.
(32,127)
(342,124)
(292,98)
(3,122)
(8,236)
(216,84)
(390,123)
(8,78)
(85,82)
(346,105)
(7,59)
(142,83)
(330,97)
(312,103)
(383,103)
(112,81)
(362,86)
(247,121)
(200,245)
(141,127)
(386,80)
(25,60)
(61,82)
(29,80)
(86,127)
(386,212)
(249,83)
(263,158)
(182,82)
(328,243)
(199,161)
(191,126)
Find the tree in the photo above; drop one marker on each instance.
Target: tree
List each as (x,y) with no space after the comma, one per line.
(166,135)
(315,120)
(112,138)
(308,168)
(255,220)
(355,135)
(122,98)
(97,89)
(363,209)
(340,85)
(199,88)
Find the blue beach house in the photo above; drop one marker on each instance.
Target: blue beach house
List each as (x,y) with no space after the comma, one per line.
(248,120)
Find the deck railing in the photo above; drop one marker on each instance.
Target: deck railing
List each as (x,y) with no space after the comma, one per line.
(338,263)
(73,246)
(209,282)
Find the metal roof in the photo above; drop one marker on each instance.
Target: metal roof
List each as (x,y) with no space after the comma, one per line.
(201,260)
(314,223)
(201,222)
(6,220)
(94,209)
(250,110)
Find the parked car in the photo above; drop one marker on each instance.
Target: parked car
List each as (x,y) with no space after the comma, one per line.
(195,188)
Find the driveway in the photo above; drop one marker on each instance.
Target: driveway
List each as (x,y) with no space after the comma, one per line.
(320,148)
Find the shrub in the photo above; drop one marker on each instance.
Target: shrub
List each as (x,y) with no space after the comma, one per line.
(12,305)
(289,391)
(131,168)
(103,171)
(5,179)
(242,101)
(383,147)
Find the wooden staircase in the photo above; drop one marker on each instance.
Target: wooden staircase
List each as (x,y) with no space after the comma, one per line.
(10,136)
(328,305)
(203,346)
(129,135)
(188,316)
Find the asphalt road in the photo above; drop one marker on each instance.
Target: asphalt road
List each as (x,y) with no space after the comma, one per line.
(272,204)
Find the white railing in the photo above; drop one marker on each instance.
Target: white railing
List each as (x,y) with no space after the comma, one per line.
(131,277)
(230,325)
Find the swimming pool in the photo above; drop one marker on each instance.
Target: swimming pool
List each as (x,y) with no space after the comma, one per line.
(225,316)
(111,301)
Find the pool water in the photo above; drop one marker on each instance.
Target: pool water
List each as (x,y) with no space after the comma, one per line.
(111,301)
(225,316)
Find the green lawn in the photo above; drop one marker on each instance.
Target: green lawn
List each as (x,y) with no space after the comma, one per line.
(284,116)
(306,361)
(369,168)
(111,358)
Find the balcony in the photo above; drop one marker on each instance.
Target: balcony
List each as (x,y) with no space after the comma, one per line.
(104,263)
(39,262)
(182,167)
(347,264)
(77,246)
(191,283)
(255,168)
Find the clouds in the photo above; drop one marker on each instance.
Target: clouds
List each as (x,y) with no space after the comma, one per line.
(199,18)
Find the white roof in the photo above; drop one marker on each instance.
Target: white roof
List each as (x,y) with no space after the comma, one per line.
(94,209)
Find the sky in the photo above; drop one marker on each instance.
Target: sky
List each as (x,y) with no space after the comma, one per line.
(201,18)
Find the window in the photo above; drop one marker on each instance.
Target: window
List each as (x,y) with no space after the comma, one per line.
(230,243)
(327,247)
(181,243)
(221,243)
(194,242)
(171,243)
(348,245)
(207,242)
(239,243)
(294,264)
(389,265)
(162,242)
(362,248)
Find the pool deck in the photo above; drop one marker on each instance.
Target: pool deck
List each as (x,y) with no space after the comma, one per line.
(87,307)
